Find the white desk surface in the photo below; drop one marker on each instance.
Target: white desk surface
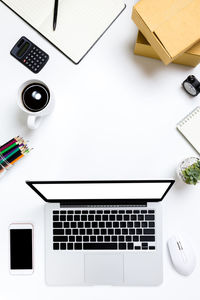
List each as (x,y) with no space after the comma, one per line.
(115,118)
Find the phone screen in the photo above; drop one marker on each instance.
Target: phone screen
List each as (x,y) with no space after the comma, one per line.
(21,249)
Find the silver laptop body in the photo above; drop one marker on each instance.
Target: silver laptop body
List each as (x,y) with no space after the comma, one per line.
(103,232)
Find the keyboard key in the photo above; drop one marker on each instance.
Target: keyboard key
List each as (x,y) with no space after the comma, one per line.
(126,217)
(105,218)
(137,224)
(70,246)
(84,212)
(94,224)
(100,246)
(107,238)
(137,247)
(77,212)
(86,239)
(100,238)
(55,218)
(143,211)
(121,211)
(70,212)
(82,231)
(114,212)
(140,217)
(63,212)
(83,218)
(130,246)
(58,231)
(78,246)
(112,217)
(151,224)
(110,231)
(149,217)
(92,212)
(128,238)
(114,238)
(115,224)
(117,231)
(129,224)
(149,231)
(57,224)
(87,225)
(147,238)
(73,224)
(121,238)
(122,246)
(66,224)
(77,218)
(80,224)
(63,246)
(75,231)
(136,211)
(124,231)
(107,212)
(122,224)
(144,224)
(55,246)
(101,224)
(103,231)
(62,218)
(99,211)
(144,244)
(152,247)
(68,231)
(108,224)
(129,212)
(69,218)
(97,218)
(135,238)
(79,238)
(60,238)
(132,231)
(96,231)
(92,238)
(133,218)
(89,231)
(151,211)
(90,218)
(138,231)
(119,217)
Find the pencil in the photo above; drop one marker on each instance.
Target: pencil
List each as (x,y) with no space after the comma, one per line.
(55,14)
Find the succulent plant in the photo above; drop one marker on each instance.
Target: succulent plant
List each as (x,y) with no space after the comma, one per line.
(191,174)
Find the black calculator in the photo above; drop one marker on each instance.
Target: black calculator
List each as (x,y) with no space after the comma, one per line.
(29,55)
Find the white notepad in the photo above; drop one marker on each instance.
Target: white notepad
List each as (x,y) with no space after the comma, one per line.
(190,128)
(80,23)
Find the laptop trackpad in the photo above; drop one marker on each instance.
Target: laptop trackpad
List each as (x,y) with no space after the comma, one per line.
(104,268)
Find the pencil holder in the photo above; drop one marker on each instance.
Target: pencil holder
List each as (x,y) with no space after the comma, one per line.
(4,166)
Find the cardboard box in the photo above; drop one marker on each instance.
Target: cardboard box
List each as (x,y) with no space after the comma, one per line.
(170,26)
(190,58)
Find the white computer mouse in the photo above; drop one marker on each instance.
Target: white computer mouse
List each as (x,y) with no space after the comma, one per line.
(182,255)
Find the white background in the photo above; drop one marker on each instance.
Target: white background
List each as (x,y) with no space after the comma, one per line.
(115,118)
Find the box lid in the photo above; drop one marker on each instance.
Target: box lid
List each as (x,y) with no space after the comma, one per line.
(170,26)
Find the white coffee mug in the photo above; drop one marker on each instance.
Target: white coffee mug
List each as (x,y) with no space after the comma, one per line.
(36,100)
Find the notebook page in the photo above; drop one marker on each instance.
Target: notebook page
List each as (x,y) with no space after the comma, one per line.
(80,23)
(190,128)
(33,11)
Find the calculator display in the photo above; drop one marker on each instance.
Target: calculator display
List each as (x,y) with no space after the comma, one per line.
(23,49)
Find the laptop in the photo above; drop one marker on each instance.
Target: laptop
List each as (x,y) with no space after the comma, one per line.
(103,232)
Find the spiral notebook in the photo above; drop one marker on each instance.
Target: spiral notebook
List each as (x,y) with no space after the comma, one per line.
(190,128)
(80,23)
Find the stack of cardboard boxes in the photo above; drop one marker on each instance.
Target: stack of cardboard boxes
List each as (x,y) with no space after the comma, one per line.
(168,30)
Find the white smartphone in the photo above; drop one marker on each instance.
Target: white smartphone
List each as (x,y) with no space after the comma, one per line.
(21,248)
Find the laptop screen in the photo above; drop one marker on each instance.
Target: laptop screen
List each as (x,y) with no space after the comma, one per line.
(101,190)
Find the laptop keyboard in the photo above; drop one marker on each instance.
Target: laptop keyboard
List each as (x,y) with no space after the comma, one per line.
(103,229)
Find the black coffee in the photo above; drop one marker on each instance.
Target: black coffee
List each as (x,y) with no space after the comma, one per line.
(35,97)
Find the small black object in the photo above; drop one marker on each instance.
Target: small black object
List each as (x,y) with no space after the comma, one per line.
(29,55)
(191,85)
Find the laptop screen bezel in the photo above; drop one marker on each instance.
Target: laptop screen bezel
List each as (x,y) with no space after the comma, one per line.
(103,202)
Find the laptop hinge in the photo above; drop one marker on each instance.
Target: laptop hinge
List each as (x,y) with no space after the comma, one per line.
(143,204)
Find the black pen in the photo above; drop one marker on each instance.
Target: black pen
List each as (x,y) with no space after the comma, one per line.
(55,14)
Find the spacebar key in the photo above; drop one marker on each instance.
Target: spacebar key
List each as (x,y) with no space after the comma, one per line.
(100,246)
